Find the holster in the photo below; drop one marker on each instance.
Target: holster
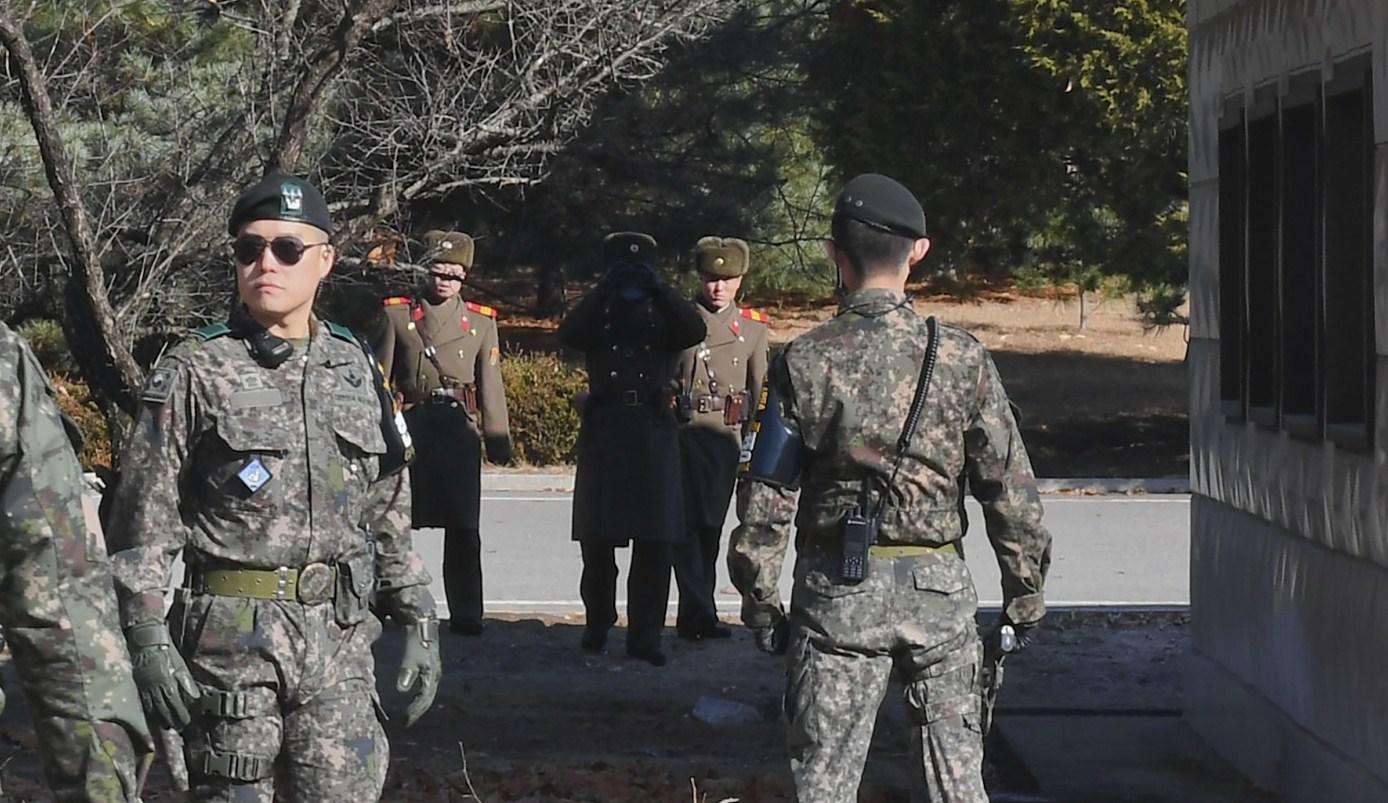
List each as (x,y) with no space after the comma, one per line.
(734,409)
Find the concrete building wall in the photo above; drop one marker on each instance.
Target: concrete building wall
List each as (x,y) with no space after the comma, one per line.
(1289,551)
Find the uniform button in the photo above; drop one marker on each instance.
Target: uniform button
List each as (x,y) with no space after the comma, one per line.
(641,375)
(614,346)
(613,374)
(734,361)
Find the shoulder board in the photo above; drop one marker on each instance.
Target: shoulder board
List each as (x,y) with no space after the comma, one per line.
(341,332)
(212,332)
(490,312)
(395,301)
(755,315)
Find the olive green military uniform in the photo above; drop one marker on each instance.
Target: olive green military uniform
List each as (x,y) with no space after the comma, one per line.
(722,376)
(627,488)
(455,404)
(269,479)
(56,600)
(836,401)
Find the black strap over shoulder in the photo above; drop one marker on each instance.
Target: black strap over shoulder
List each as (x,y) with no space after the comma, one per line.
(913,416)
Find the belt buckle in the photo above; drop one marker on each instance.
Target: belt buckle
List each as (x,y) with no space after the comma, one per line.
(440,396)
(705,404)
(631,398)
(315,583)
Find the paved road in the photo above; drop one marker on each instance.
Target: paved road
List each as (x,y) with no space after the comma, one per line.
(1109,550)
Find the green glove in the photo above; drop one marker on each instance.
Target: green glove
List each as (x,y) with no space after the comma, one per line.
(421,663)
(165,685)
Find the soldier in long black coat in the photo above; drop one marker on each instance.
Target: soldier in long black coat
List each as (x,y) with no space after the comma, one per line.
(631,329)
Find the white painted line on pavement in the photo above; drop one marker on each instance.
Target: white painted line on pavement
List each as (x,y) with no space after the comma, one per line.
(499,605)
(565,498)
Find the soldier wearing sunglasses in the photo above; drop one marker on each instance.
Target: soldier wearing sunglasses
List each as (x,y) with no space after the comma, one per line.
(266,450)
(442,355)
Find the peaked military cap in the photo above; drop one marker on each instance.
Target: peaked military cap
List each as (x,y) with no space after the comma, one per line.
(449,246)
(883,204)
(721,257)
(280,196)
(628,246)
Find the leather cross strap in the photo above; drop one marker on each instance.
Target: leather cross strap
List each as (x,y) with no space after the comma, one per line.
(432,353)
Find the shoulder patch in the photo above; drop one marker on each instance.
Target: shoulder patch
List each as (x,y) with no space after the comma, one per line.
(483,309)
(212,332)
(395,301)
(341,332)
(755,315)
(159,385)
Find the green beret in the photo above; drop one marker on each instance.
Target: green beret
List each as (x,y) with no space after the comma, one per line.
(449,246)
(883,204)
(280,197)
(721,257)
(628,246)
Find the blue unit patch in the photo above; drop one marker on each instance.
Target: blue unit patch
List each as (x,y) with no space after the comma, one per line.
(254,475)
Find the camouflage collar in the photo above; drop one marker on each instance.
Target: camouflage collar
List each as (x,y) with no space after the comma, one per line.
(872,302)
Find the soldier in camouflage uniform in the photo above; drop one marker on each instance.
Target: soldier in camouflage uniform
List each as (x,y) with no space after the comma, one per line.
(56,601)
(631,329)
(828,425)
(442,355)
(722,376)
(266,451)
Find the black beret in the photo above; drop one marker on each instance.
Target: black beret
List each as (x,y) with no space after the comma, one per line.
(280,197)
(628,246)
(881,203)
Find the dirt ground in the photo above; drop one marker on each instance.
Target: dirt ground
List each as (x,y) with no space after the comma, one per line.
(524,716)
(1106,401)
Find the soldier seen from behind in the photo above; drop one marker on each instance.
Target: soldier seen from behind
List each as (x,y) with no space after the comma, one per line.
(881,587)
(721,377)
(56,601)
(267,450)
(443,357)
(630,328)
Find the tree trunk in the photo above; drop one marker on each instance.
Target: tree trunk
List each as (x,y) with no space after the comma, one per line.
(93,333)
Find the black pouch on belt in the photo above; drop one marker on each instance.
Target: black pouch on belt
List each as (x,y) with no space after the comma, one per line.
(356,579)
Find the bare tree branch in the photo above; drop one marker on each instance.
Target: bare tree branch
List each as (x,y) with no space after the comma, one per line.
(89,322)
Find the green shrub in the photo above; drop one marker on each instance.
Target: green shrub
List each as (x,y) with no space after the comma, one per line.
(1159,306)
(49,343)
(539,389)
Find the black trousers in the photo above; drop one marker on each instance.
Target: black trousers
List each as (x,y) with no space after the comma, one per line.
(648,588)
(462,574)
(696,574)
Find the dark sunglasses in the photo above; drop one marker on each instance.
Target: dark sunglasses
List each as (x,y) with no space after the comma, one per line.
(441,276)
(247,248)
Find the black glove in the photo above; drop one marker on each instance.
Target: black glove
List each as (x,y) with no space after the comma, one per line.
(773,639)
(498,449)
(166,687)
(420,664)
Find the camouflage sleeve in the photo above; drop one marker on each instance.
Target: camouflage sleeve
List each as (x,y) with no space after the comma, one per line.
(757,548)
(402,580)
(56,600)
(1001,479)
(146,527)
